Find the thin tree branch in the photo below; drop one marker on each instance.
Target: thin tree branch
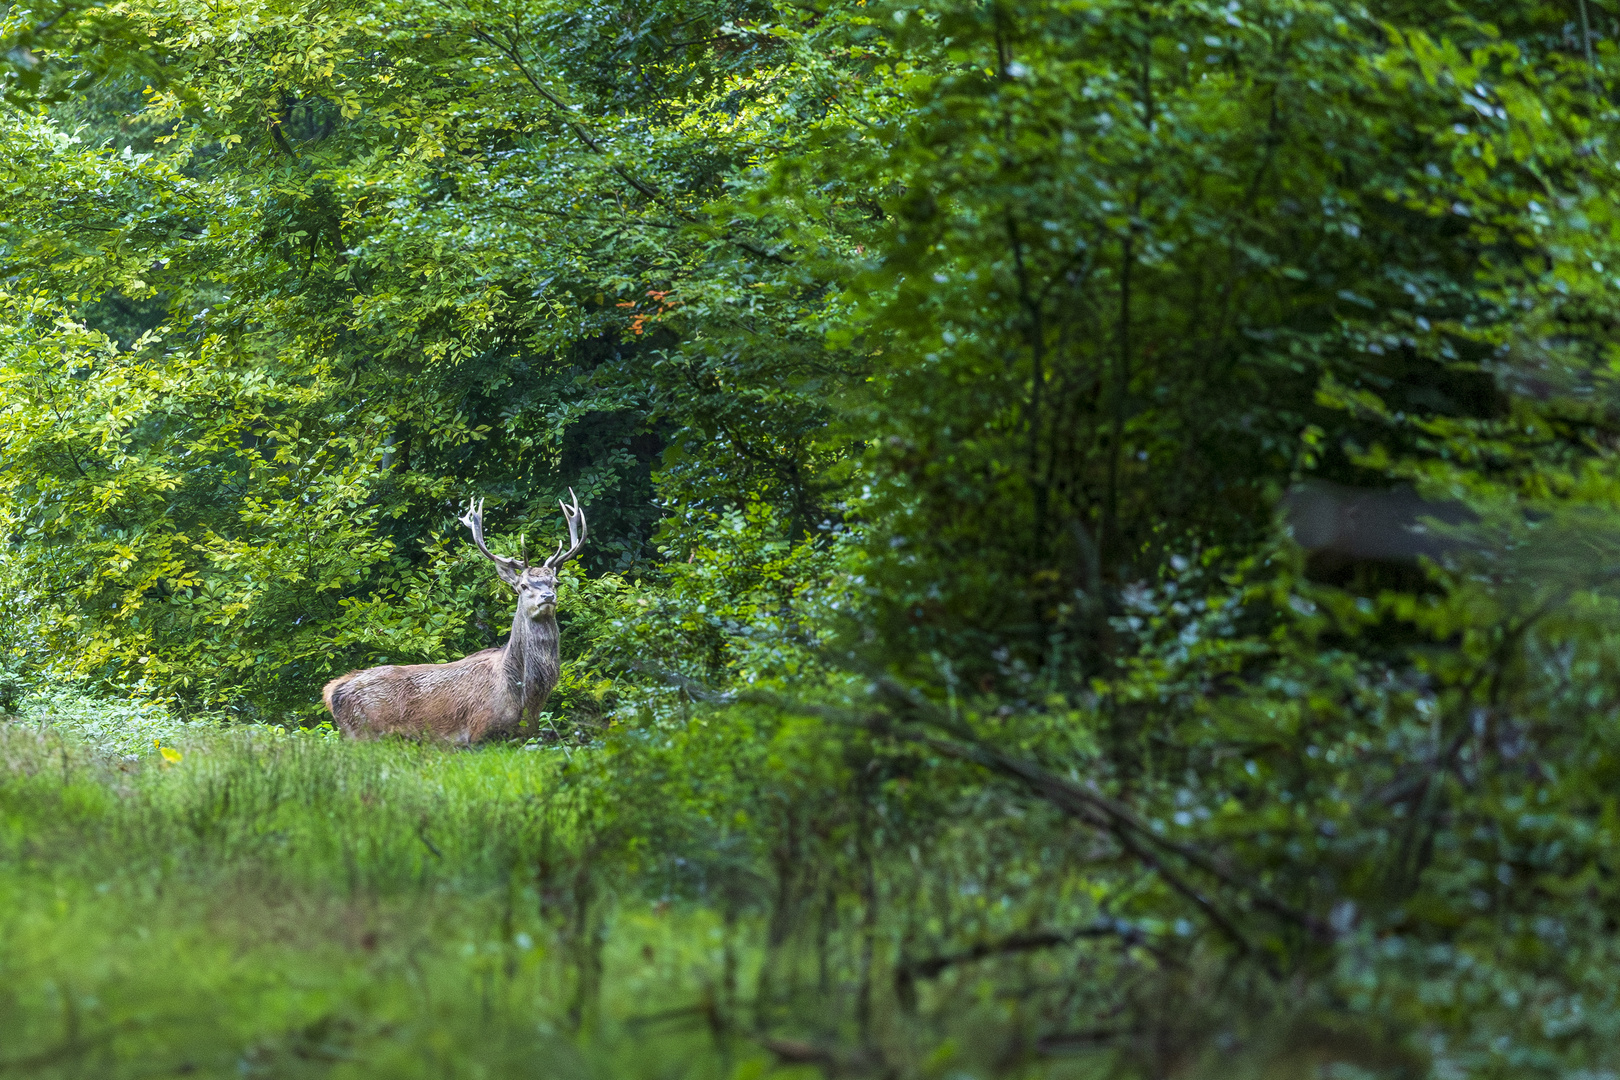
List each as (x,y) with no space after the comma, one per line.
(513,53)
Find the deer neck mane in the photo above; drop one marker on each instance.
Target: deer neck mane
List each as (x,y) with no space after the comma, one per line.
(530,659)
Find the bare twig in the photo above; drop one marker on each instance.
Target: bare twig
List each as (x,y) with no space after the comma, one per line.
(1090,807)
(1108,814)
(931,967)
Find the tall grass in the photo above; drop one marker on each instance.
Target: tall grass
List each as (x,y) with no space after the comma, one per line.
(275,905)
(197,900)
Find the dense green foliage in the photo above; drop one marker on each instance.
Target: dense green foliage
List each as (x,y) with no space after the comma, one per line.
(934,376)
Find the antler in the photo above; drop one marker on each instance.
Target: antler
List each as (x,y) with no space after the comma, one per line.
(576,532)
(509,569)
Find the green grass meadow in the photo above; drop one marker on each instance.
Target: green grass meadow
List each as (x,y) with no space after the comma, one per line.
(682,899)
(721,895)
(297,905)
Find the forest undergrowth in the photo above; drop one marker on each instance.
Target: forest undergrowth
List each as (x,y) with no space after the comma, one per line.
(249,901)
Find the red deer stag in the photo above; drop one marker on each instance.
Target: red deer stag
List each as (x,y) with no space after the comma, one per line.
(486,692)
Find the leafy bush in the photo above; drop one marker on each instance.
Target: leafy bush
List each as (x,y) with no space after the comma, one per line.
(113,728)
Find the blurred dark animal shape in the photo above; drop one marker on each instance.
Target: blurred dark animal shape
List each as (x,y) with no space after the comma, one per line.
(1342,527)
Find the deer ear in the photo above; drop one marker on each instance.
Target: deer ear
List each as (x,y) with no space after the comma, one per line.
(508,574)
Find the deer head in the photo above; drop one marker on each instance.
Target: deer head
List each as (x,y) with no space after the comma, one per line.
(536,586)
